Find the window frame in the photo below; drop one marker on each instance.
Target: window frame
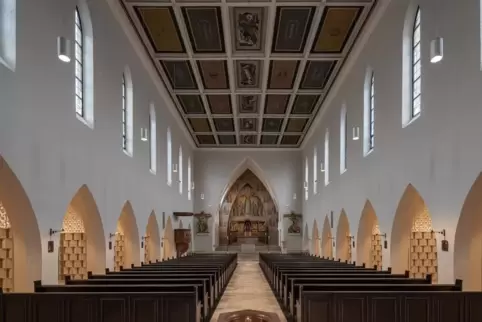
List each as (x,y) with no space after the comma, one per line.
(79,66)
(124,114)
(371,113)
(416,48)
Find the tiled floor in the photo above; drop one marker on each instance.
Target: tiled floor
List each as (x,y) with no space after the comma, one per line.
(248,290)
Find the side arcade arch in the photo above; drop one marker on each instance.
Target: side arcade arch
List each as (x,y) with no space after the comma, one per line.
(327,239)
(21,250)
(413,242)
(468,240)
(168,242)
(369,239)
(82,240)
(315,240)
(152,240)
(126,247)
(343,238)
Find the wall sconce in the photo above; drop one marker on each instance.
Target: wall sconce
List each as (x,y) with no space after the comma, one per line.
(50,243)
(110,240)
(174,168)
(202,196)
(356,133)
(63,49)
(333,239)
(444,242)
(322,167)
(305,185)
(144,134)
(144,239)
(192,185)
(436,50)
(385,242)
(294,196)
(352,239)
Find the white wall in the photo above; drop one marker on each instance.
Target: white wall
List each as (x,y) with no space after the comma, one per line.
(53,153)
(439,153)
(215,170)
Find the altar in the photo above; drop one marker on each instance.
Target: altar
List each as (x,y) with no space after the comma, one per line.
(244,240)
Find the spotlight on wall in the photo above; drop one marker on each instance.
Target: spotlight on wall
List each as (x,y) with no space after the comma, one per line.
(144,134)
(305,185)
(192,185)
(294,196)
(322,167)
(436,50)
(202,196)
(174,168)
(356,133)
(63,49)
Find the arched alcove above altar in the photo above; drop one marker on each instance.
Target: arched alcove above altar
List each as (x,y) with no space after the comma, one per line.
(248,213)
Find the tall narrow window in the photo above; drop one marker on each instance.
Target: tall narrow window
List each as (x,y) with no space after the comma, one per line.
(189,178)
(307,178)
(343,139)
(180,167)
(8,33)
(153,138)
(369,112)
(79,65)
(327,157)
(371,115)
(416,66)
(127,113)
(315,172)
(169,157)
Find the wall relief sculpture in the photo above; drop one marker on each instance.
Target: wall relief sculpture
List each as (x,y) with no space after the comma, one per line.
(202,223)
(248,210)
(295,227)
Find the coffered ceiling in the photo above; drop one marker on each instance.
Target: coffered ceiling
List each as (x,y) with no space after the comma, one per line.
(248,74)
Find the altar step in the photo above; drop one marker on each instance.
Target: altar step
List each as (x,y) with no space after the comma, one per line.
(258,249)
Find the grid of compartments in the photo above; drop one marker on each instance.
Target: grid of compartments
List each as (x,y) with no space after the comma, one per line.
(72,256)
(423,255)
(146,250)
(376,251)
(119,251)
(6,252)
(349,249)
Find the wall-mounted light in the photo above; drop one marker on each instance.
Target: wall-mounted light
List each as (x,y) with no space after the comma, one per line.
(352,239)
(305,185)
(50,242)
(192,185)
(356,133)
(436,50)
(444,242)
(110,239)
(322,167)
(294,196)
(202,196)
(63,49)
(174,168)
(144,134)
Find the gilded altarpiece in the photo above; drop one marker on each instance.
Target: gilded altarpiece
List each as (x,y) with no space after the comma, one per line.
(248,210)
(6,252)
(423,248)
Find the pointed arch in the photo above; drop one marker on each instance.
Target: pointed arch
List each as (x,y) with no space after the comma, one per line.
(326,239)
(468,240)
(343,238)
(152,247)
(15,205)
(168,242)
(368,236)
(306,240)
(248,164)
(82,218)
(127,227)
(315,240)
(412,223)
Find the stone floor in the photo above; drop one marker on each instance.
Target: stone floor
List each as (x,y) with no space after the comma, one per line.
(248,290)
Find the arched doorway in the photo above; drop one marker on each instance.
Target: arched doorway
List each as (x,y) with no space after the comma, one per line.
(82,240)
(413,242)
(168,243)
(20,246)
(343,238)
(468,240)
(152,240)
(369,239)
(315,240)
(126,246)
(327,240)
(306,247)
(248,213)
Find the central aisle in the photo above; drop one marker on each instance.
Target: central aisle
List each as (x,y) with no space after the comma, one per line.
(248,290)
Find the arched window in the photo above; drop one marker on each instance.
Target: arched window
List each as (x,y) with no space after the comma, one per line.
(343,139)
(416,67)
(79,65)
(180,166)
(326,166)
(315,172)
(8,33)
(169,157)
(127,113)
(153,138)
(189,178)
(84,64)
(307,178)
